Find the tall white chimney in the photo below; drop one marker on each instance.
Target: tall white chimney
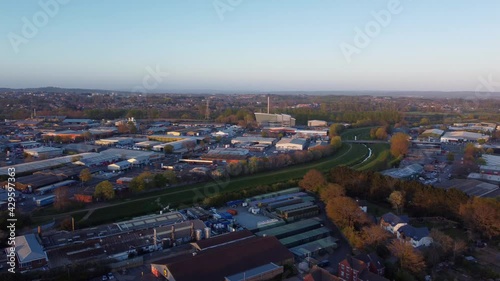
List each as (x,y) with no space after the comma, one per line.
(267,104)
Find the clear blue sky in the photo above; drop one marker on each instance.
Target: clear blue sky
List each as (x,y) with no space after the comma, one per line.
(258,45)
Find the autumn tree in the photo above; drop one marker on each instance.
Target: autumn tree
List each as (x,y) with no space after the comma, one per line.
(170,176)
(409,258)
(345,212)
(104,190)
(374,235)
(397,200)
(141,182)
(399,144)
(335,130)
(381,133)
(482,215)
(332,190)
(313,180)
(424,121)
(336,142)
(61,201)
(85,176)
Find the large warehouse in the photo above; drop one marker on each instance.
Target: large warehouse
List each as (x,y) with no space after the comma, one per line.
(44,152)
(463,136)
(239,256)
(291,144)
(275,120)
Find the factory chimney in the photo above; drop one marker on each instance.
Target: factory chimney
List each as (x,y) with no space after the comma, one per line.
(268,104)
(154,237)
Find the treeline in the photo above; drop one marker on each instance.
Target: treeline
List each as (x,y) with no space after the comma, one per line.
(258,164)
(148,180)
(360,118)
(242,117)
(419,200)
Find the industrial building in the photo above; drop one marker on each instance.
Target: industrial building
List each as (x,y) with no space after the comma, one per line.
(491,160)
(254,140)
(227,154)
(291,229)
(316,123)
(260,273)
(485,177)
(311,133)
(44,152)
(148,145)
(473,187)
(431,135)
(119,166)
(305,237)
(291,144)
(239,256)
(220,240)
(491,170)
(297,211)
(44,164)
(407,173)
(315,247)
(463,136)
(178,144)
(115,141)
(287,191)
(274,120)
(80,121)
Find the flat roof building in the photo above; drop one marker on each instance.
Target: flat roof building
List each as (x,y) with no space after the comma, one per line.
(255,140)
(44,152)
(291,144)
(238,257)
(316,123)
(274,120)
(115,141)
(463,136)
(315,247)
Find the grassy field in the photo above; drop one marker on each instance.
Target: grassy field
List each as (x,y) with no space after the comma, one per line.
(360,133)
(378,160)
(349,154)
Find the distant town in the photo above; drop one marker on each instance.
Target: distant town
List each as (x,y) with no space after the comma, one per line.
(104,185)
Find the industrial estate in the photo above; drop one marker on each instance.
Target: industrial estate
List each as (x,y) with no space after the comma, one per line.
(265,197)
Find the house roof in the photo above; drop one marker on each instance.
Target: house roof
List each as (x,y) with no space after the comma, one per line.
(414,232)
(28,249)
(355,263)
(393,220)
(371,258)
(320,274)
(216,263)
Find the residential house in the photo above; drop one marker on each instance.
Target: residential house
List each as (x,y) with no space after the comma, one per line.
(392,223)
(416,236)
(354,269)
